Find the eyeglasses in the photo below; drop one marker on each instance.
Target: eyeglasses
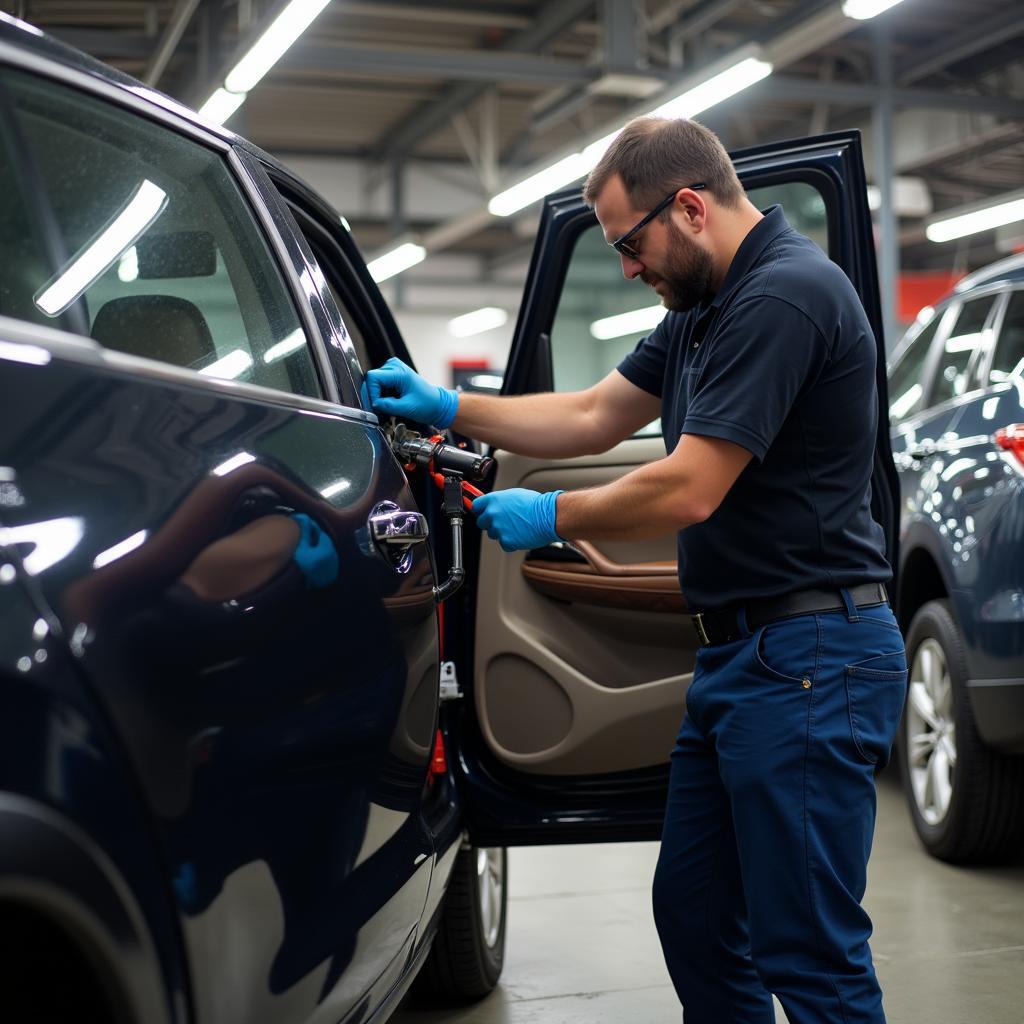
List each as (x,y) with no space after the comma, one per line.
(622,246)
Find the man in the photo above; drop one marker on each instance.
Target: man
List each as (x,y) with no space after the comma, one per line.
(763,372)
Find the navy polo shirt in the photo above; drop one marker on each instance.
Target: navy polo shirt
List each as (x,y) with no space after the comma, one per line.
(782,362)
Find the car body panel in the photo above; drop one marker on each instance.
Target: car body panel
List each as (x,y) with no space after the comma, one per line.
(281,761)
(962,507)
(283,769)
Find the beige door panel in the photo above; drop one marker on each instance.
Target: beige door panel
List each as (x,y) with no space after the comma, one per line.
(585,680)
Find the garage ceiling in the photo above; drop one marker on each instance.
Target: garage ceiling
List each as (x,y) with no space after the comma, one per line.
(473,93)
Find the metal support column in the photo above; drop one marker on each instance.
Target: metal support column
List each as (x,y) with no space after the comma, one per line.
(398,227)
(887,231)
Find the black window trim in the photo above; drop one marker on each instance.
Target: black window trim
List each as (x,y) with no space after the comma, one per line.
(953,313)
(996,330)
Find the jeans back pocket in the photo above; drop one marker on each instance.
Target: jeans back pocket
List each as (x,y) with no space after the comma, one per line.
(876,690)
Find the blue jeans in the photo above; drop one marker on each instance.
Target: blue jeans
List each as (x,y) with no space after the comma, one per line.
(770,815)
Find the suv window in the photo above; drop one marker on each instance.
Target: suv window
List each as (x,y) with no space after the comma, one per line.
(601,316)
(141,239)
(963,341)
(1008,358)
(906,391)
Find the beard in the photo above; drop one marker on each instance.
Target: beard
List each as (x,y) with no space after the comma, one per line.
(688,271)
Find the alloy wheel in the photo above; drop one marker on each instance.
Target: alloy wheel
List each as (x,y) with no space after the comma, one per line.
(931,732)
(490,879)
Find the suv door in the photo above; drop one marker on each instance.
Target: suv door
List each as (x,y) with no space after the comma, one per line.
(197,488)
(579,668)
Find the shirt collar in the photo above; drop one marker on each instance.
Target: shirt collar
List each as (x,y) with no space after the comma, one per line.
(758,238)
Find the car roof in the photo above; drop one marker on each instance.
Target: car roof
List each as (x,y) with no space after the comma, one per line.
(29,39)
(1010,269)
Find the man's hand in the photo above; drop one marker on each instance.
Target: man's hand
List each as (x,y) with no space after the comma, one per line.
(398,390)
(518,519)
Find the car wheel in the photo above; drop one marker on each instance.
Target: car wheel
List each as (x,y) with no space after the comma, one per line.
(469,950)
(964,797)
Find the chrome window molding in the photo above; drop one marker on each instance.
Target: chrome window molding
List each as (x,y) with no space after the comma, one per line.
(75,348)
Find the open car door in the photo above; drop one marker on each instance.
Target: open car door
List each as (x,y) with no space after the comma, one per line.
(575,673)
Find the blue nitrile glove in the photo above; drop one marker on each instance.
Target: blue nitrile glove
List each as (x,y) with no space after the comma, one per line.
(410,395)
(518,519)
(315,555)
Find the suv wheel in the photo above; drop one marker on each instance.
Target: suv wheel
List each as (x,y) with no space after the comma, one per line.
(469,949)
(964,798)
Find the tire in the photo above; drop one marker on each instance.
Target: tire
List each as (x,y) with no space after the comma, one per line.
(469,949)
(965,799)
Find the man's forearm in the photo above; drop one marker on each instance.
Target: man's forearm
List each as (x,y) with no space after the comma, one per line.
(547,425)
(649,502)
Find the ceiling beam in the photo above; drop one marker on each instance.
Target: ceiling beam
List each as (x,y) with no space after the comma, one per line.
(176,25)
(436,110)
(471,65)
(973,38)
(454,14)
(810,91)
(103,43)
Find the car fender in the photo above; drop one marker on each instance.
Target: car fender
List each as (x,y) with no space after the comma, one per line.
(48,864)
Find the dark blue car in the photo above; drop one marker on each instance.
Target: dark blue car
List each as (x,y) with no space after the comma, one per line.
(957,407)
(247,773)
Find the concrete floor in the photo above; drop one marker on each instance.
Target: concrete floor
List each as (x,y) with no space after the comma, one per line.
(582,949)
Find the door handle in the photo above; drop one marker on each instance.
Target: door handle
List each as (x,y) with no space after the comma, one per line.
(394,531)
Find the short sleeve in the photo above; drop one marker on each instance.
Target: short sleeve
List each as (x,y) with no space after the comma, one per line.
(645,365)
(763,353)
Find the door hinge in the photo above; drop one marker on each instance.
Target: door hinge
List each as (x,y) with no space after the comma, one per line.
(449,689)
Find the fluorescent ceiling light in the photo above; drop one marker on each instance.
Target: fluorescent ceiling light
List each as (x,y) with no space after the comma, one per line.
(395,261)
(263,55)
(50,541)
(292,343)
(271,46)
(128,266)
(34,355)
(634,322)
(336,488)
(119,550)
(596,150)
(905,402)
(480,320)
(738,76)
(241,459)
(145,205)
(538,185)
(228,367)
(729,82)
(985,219)
(221,105)
(863,10)
(963,342)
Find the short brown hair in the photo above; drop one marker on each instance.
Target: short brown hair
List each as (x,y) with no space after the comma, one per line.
(653,154)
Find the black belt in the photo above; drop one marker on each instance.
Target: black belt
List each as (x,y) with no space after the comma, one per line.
(722,625)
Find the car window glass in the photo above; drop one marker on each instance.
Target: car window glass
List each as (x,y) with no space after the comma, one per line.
(601,316)
(152,249)
(906,390)
(1008,358)
(965,337)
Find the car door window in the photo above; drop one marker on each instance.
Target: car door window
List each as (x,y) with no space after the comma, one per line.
(143,241)
(906,388)
(965,338)
(601,316)
(1008,357)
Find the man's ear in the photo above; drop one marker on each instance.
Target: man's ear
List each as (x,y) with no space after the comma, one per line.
(691,205)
